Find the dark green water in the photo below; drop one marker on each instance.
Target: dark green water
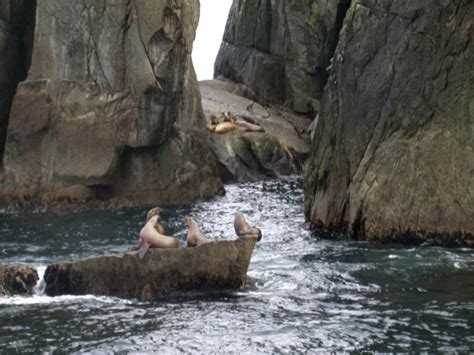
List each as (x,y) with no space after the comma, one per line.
(313,294)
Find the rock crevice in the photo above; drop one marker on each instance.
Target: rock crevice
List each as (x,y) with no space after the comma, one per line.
(17,23)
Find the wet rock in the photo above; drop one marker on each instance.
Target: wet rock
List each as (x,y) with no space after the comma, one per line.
(279,50)
(393,148)
(17,280)
(251,156)
(214,266)
(110,110)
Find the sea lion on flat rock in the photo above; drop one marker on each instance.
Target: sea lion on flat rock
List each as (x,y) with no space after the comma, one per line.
(152,235)
(155,212)
(223,127)
(194,238)
(248,127)
(243,228)
(231,123)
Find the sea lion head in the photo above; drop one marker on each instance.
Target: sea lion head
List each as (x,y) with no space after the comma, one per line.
(153,212)
(229,117)
(188,222)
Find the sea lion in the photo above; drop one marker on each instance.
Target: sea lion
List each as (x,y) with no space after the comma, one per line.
(248,127)
(246,117)
(231,123)
(194,238)
(154,212)
(224,127)
(229,117)
(152,236)
(243,228)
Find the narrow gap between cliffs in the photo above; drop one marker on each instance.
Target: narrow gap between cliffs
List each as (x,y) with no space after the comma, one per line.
(341,13)
(20,33)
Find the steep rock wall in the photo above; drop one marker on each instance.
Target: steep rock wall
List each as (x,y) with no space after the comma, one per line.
(111,108)
(280,49)
(393,149)
(17,22)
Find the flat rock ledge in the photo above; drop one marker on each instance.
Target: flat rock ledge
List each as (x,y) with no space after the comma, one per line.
(252,156)
(162,273)
(17,280)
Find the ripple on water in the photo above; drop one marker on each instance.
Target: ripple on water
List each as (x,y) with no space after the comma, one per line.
(311,294)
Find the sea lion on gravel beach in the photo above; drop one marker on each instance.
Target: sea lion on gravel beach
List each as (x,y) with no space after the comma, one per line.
(243,228)
(194,238)
(152,235)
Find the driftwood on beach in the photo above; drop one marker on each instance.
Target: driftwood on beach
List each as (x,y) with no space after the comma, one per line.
(214,266)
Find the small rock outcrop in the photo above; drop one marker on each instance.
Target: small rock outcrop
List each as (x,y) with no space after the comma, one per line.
(279,150)
(214,266)
(110,110)
(17,23)
(393,152)
(17,280)
(280,50)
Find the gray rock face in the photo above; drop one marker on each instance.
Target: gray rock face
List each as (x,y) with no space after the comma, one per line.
(17,280)
(280,49)
(17,22)
(111,108)
(214,266)
(393,149)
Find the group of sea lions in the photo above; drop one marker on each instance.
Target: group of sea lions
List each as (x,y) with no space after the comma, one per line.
(152,235)
(233,122)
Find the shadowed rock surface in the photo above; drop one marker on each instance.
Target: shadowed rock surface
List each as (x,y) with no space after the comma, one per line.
(393,151)
(17,280)
(280,50)
(251,156)
(214,266)
(111,109)
(17,22)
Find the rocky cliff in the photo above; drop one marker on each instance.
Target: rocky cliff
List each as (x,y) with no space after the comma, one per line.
(392,155)
(280,49)
(110,109)
(393,151)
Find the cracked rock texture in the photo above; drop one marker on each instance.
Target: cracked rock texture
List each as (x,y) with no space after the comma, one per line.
(17,280)
(111,108)
(214,266)
(280,49)
(393,155)
(17,21)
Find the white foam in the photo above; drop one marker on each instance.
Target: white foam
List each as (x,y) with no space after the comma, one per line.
(39,296)
(38,290)
(42,299)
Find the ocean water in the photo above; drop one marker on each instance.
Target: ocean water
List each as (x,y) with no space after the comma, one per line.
(312,294)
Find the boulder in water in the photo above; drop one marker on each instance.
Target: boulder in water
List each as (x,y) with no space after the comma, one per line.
(214,266)
(17,280)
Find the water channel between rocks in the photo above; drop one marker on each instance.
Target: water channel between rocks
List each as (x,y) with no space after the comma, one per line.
(313,294)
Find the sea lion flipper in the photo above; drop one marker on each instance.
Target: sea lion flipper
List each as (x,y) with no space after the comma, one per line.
(143,249)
